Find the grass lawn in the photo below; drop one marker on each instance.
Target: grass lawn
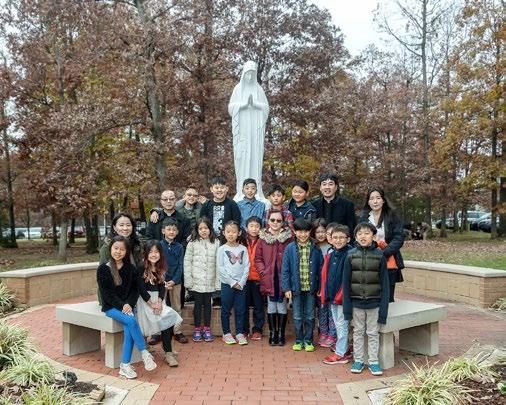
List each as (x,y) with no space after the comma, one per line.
(468,248)
(38,252)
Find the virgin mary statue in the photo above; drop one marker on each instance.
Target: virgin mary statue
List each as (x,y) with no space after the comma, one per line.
(249,110)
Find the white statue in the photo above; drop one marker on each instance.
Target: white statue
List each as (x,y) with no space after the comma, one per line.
(249,110)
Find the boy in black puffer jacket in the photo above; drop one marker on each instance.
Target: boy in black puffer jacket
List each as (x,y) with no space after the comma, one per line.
(365,296)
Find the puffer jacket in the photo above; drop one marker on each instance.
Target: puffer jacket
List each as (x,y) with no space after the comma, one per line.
(200,273)
(269,253)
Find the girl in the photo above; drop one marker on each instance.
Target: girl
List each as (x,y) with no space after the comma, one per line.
(116,281)
(232,262)
(325,321)
(253,296)
(123,224)
(201,276)
(298,204)
(153,315)
(379,212)
(268,257)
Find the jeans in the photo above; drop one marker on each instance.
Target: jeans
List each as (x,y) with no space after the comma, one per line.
(131,333)
(253,297)
(342,326)
(303,316)
(202,299)
(326,321)
(236,299)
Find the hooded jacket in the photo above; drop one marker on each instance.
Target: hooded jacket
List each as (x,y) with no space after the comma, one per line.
(269,254)
(290,268)
(200,272)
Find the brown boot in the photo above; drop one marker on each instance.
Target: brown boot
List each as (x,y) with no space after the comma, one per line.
(171,360)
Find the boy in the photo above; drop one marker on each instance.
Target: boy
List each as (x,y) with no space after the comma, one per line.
(365,296)
(302,262)
(253,296)
(249,205)
(298,205)
(190,206)
(276,195)
(331,289)
(174,255)
(220,209)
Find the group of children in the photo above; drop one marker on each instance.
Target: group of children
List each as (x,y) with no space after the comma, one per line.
(256,256)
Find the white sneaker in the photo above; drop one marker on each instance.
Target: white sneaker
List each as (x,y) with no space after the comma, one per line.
(149,362)
(126,370)
(241,339)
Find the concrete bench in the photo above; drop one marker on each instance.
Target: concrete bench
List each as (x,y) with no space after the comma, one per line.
(418,327)
(82,324)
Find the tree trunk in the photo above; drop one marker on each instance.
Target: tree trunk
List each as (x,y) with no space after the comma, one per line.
(502,194)
(111,211)
(442,231)
(72,236)
(10,195)
(62,247)
(91,226)
(142,210)
(55,233)
(28,222)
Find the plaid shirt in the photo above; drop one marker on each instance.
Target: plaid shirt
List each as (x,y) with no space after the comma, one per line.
(304,266)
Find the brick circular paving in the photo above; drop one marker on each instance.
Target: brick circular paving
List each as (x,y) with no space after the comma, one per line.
(257,373)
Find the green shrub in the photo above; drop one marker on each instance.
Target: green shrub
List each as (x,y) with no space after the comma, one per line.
(53,395)
(28,371)
(428,385)
(461,368)
(500,304)
(7,298)
(14,344)
(501,386)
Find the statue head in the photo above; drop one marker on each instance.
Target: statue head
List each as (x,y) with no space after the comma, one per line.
(249,72)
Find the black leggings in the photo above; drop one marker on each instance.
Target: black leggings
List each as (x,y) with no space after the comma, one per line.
(202,299)
(167,339)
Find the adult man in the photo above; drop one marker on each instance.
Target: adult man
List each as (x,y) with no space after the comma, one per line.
(190,205)
(330,206)
(154,230)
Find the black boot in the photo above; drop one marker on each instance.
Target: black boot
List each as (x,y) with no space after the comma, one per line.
(271,320)
(283,318)
(276,329)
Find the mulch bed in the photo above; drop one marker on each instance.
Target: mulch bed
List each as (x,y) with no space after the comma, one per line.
(487,393)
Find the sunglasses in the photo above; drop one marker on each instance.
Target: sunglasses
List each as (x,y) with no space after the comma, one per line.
(274,220)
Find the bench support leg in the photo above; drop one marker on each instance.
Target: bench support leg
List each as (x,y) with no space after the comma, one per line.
(78,339)
(113,349)
(386,350)
(422,339)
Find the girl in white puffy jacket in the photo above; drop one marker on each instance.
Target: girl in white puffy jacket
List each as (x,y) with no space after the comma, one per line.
(201,275)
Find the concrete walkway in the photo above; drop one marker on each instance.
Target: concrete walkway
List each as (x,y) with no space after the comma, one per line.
(215,373)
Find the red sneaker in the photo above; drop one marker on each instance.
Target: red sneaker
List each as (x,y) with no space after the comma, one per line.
(335,359)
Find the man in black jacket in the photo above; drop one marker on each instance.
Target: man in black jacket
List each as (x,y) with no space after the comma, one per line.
(154,229)
(330,206)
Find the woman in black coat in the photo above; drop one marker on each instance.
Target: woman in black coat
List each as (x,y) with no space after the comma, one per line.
(379,212)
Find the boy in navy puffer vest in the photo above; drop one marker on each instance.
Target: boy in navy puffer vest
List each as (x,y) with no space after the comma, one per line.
(365,296)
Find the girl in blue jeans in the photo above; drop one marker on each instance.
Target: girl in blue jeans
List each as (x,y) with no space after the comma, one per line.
(117,285)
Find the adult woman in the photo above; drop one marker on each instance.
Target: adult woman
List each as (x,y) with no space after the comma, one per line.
(123,224)
(269,254)
(117,284)
(380,212)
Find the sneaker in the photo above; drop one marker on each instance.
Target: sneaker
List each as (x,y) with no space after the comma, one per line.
(241,339)
(323,340)
(308,347)
(333,348)
(297,347)
(375,369)
(181,338)
(330,342)
(208,336)
(154,339)
(197,335)
(126,370)
(357,367)
(149,362)
(229,339)
(256,336)
(335,359)
(171,360)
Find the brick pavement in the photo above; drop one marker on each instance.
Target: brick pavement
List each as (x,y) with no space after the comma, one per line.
(214,373)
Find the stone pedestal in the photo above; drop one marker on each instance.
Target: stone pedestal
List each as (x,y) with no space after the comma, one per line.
(423,339)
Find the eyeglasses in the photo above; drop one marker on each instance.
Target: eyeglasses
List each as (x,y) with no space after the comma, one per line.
(340,237)
(274,220)
(168,199)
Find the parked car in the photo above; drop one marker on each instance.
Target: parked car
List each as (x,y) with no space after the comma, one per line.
(32,233)
(472,216)
(486,224)
(474,226)
(79,232)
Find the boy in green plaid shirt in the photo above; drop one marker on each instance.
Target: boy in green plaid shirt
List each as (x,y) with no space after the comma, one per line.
(300,271)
